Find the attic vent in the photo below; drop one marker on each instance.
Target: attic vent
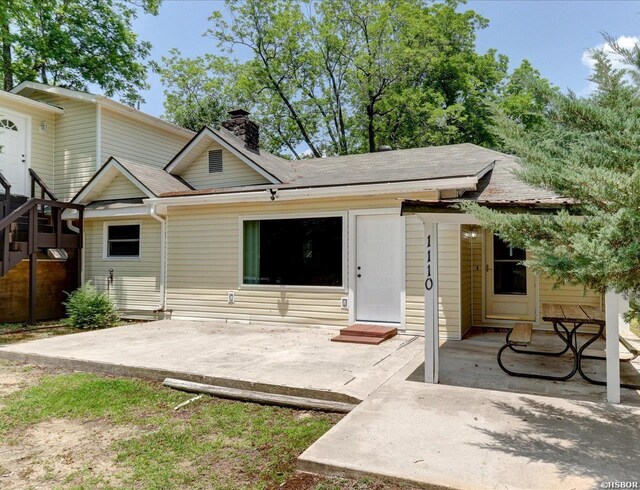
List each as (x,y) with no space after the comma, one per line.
(215,161)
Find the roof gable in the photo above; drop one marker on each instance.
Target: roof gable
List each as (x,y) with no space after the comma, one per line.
(150,181)
(203,139)
(120,187)
(230,171)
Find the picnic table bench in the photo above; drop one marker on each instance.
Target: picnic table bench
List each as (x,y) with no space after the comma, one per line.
(566,320)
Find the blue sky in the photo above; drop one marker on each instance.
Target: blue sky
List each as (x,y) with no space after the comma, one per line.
(553,35)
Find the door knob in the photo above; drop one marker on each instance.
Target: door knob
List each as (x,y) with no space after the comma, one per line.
(359,275)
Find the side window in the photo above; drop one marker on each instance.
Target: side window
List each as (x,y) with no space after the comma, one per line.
(122,241)
(215,161)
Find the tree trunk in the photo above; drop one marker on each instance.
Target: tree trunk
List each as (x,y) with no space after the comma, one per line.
(370,129)
(7,65)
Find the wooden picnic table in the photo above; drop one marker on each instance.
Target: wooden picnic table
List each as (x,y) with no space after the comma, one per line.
(583,314)
(566,320)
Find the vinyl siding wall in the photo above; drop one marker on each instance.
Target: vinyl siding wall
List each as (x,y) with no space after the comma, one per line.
(136,284)
(121,188)
(448,269)
(75,144)
(42,143)
(234,171)
(137,141)
(204,264)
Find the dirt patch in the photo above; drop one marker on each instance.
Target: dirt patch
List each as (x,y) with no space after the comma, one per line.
(62,451)
(17,377)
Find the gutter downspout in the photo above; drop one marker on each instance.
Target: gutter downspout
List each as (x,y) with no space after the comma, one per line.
(163,255)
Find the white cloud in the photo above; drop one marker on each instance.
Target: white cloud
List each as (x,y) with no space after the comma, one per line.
(623,41)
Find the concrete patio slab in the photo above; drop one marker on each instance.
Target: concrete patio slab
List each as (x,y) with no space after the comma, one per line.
(291,361)
(459,437)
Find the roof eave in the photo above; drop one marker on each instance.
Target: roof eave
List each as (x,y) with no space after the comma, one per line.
(20,99)
(326,192)
(530,206)
(105,102)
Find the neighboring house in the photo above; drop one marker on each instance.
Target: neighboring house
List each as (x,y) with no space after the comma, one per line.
(56,139)
(226,231)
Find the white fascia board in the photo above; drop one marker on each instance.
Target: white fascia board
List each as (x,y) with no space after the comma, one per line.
(123,212)
(208,133)
(64,92)
(463,183)
(21,99)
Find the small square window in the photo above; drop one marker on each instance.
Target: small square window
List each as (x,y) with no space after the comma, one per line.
(215,161)
(123,241)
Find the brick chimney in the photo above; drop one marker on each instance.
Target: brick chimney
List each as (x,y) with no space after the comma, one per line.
(244,128)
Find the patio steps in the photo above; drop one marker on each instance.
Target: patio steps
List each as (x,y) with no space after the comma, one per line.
(365,334)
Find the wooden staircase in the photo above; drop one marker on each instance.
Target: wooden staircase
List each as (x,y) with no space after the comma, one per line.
(365,334)
(30,226)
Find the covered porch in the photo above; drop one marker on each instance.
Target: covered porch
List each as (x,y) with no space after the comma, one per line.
(494,293)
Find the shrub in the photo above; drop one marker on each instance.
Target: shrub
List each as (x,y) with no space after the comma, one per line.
(87,308)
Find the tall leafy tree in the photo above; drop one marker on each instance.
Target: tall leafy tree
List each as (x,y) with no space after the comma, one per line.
(346,76)
(73,43)
(589,152)
(526,96)
(194,96)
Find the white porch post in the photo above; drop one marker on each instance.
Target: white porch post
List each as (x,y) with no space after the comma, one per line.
(431,316)
(612,347)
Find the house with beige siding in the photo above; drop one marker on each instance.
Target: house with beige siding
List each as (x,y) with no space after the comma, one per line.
(228,232)
(211,226)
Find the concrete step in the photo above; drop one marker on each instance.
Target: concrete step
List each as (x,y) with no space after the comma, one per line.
(362,330)
(358,339)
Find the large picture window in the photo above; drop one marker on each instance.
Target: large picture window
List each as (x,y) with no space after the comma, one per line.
(293,252)
(123,241)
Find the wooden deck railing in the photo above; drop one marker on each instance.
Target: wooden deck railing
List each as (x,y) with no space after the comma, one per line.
(44,188)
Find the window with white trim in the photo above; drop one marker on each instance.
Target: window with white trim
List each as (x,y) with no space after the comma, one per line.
(293,251)
(215,161)
(123,241)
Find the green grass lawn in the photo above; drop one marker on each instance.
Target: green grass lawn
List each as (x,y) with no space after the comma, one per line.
(635,328)
(83,431)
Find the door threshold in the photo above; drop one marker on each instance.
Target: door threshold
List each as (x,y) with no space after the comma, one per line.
(384,324)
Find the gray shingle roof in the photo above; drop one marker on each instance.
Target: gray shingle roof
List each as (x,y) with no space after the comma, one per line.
(434,162)
(153,178)
(502,185)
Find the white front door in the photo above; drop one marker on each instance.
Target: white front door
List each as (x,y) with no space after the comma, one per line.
(510,286)
(13,152)
(378,265)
